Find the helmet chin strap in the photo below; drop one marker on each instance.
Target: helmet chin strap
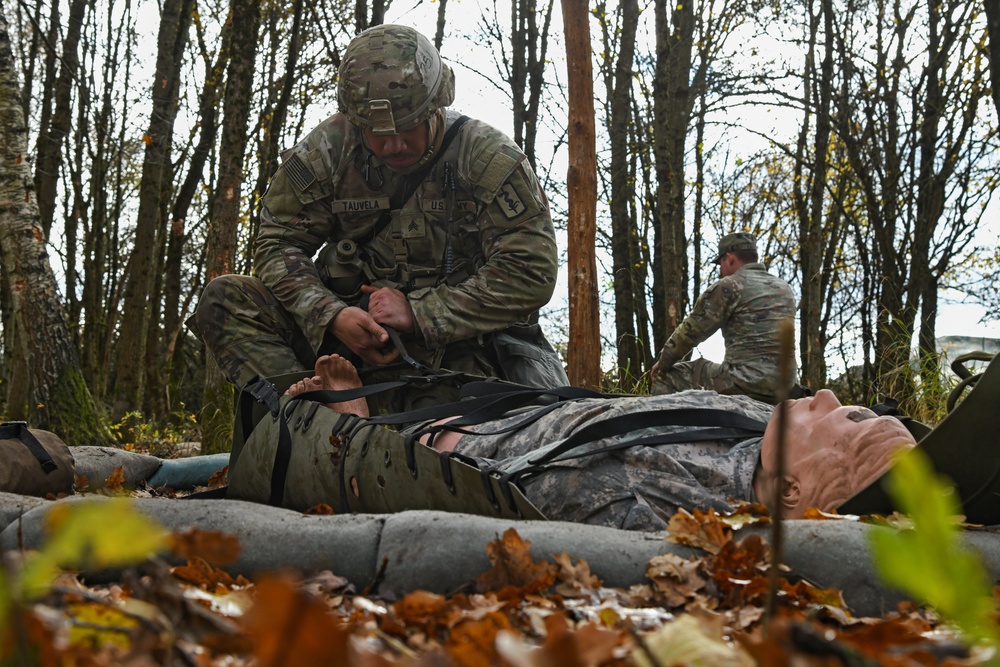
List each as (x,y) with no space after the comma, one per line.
(435,135)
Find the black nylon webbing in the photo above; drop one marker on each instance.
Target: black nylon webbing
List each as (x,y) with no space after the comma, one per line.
(634,421)
(19,431)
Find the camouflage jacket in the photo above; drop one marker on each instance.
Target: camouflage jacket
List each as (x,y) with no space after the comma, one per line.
(635,488)
(748,306)
(329,188)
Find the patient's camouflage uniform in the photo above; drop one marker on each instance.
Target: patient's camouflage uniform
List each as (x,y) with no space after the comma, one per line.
(749,307)
(637,488)
(473,248)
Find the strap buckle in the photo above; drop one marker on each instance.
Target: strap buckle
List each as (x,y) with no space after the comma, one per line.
(263,391)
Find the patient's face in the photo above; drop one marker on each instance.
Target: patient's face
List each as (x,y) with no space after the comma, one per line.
(832,452)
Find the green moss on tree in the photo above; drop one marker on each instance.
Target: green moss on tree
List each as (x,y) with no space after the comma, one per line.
(72,413)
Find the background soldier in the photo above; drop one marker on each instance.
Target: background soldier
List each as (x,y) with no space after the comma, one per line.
(435,225)
(748,304)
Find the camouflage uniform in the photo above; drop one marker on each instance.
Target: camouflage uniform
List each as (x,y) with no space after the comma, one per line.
(749,307)
(473,248)
(637,488)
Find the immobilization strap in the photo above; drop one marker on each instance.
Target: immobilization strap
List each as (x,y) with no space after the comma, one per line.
(475,411)
(746,426)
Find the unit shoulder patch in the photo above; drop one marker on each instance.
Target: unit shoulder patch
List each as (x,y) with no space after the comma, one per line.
(509,201)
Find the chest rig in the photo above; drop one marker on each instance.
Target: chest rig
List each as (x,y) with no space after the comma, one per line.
(347,264)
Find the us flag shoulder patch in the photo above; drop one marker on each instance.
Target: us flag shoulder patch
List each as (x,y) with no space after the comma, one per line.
(299,173)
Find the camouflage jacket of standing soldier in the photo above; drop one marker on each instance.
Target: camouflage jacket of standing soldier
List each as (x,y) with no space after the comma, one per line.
(473,248)
(635,488)
(748,306)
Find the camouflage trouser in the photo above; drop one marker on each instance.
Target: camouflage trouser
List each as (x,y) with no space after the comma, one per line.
(705,374)
(250,334)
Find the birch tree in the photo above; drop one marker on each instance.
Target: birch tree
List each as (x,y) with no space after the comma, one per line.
(55,396)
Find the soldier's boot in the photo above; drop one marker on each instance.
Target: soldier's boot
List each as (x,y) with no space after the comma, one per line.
(964,447)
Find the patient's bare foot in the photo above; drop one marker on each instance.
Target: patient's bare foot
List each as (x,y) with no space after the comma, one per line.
(334,373)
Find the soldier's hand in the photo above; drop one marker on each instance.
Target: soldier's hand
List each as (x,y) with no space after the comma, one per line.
(389,307)
(358,331)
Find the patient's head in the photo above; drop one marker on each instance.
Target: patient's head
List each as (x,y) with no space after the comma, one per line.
(832,452)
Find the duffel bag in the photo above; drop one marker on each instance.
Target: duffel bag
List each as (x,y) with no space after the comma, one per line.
(34,462)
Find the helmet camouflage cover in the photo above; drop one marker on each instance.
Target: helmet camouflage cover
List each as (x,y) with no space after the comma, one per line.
(392,79)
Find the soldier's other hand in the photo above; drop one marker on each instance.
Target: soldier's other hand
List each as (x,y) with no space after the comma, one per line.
(655,370)
(358,331)
(389,307)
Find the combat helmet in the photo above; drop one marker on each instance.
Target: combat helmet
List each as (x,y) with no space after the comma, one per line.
(392,79)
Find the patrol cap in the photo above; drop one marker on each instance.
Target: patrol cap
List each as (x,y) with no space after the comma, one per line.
(736,241)
(392,79)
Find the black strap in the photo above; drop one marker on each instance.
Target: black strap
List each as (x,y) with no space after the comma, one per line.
(482,409)
(634,421)
(413,181)
(475,411)
(19,431)
(283,451)
(553,458)
(258,390)
(394,337)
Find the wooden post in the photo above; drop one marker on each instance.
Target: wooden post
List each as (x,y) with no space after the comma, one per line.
(581,184)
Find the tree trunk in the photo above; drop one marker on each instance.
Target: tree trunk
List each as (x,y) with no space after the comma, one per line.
(272,128)
(217,415)
(525,67)
(439,30)
(56,396)
(100,299)
(173,312)
(624,237)
(581,186)
(672,107)
(993,28)
(50,140)
(810,197)
(175,20)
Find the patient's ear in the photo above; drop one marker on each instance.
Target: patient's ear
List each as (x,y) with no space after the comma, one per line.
(790,493)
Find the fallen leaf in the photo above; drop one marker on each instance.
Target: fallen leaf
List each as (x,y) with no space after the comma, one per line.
(473,643)
(289,628)
(691,642)
(513,567)
(218,478)
(214,546)
(321,510)
(702,530)
(676,580)
(116,480)
(574,580)
(201,573)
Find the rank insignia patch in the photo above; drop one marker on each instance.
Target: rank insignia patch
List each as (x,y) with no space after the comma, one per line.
(413,228)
